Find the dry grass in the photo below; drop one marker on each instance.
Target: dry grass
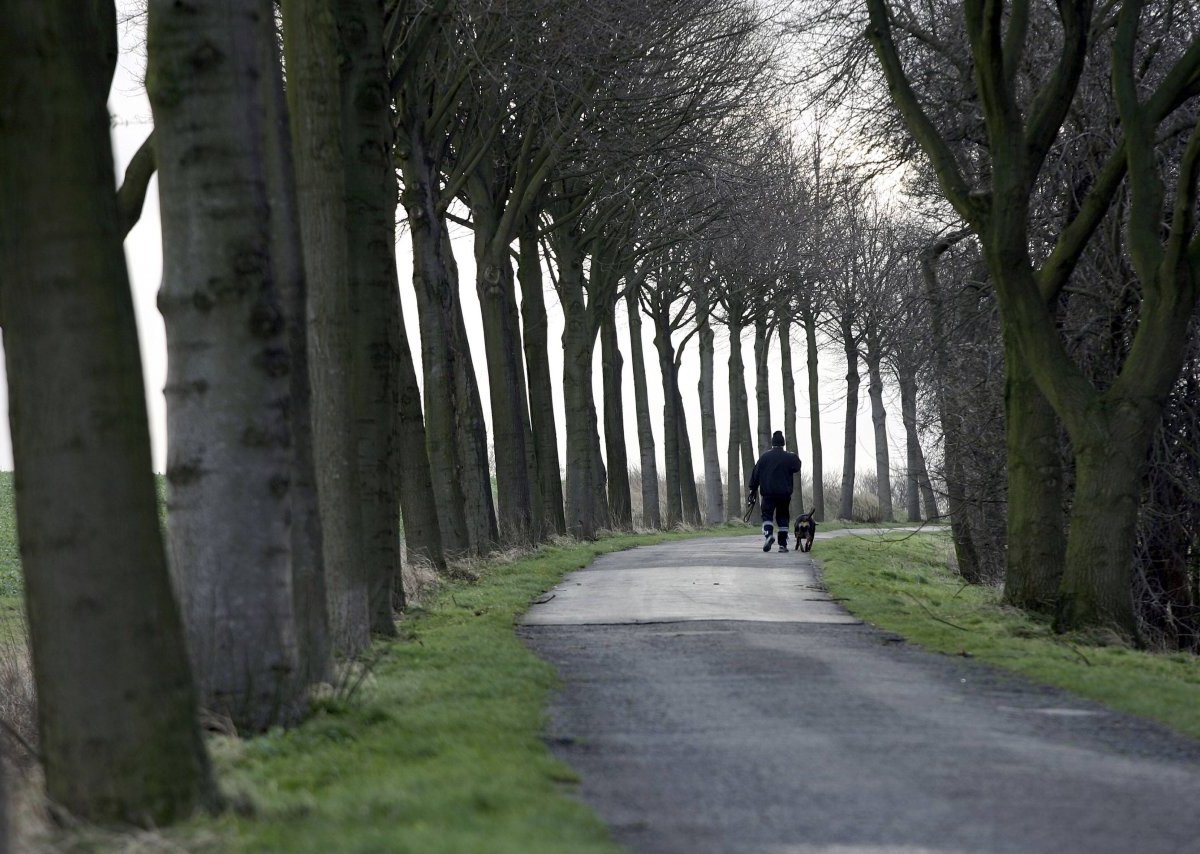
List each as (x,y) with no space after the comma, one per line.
(419,578)
(422,581)
(28,816)
(18,700)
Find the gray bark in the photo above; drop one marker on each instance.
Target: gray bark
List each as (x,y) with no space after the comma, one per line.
(469,427)
(908,413)
(789,401)
(883,466)
(616,456)
(735,483)
(651,514)
(228,381)
(370,186)
(119,738)
(687,469)
(519,499)
(714,500)
(762,380)
(814,418)
(456,435)
(953,441)
(671,413)
(315,105)
(541,396)
(315,647)
(739,417)
(853,380)
(422,527)
(586,497)
(919,487)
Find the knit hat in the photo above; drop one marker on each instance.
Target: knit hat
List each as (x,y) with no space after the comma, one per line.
(777,439)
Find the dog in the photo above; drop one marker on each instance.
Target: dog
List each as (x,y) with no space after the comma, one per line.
(805,528)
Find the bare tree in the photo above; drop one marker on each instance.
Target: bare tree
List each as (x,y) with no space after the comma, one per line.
(228,388)
(882,254)
(119,739)
(315,107)
(1111,428)
(651,512)
(429,70)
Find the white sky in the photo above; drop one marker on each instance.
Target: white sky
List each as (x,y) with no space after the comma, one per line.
(132,122)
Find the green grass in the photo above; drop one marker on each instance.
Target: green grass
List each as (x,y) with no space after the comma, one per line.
(905,584)
(440,751)
(11,602)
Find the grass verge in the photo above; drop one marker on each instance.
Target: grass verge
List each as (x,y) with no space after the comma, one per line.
(11,602)
(440,751)
(906,584)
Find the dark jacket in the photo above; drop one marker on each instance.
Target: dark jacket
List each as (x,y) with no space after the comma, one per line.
(773,472)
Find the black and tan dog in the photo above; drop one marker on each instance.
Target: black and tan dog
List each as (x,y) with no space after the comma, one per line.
(805,528)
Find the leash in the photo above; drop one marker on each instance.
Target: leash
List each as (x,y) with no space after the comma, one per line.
(751,503)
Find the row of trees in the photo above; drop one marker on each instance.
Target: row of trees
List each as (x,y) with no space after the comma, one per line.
(1061,144)
(639,155)
(643,156)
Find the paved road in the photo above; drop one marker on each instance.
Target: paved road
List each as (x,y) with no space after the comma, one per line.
(705,715)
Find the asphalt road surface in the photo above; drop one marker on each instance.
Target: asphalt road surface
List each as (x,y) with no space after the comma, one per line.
(715,700)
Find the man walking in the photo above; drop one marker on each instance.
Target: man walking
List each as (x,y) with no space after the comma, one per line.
(773,474)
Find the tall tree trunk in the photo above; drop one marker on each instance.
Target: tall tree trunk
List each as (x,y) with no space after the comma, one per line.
(470,429)
(619,500)
(850,348)
(537,364)
(116,704)
(586,498)
(455,429)
(370,184)
(1110,431)
(789,401)
(737,393)
(671,455)
(714,500)
(762,380)
(953,440)
(687,470)
(916,478)
(651,515)
(1096,589)
(928,497)
(314,644)
(883,465)
(587,501)
(814,417)
(749,457)
(228,395)
(315,106)
(422,527)
(1036,537)
(516,466)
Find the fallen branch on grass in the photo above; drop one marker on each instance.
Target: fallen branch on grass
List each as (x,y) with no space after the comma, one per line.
(935,616)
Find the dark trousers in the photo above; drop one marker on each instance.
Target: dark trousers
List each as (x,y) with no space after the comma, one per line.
(775,510)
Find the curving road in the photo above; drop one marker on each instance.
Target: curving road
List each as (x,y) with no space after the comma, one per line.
(715,700)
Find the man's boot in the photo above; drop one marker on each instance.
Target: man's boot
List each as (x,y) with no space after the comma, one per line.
(768,530)
(783,539)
